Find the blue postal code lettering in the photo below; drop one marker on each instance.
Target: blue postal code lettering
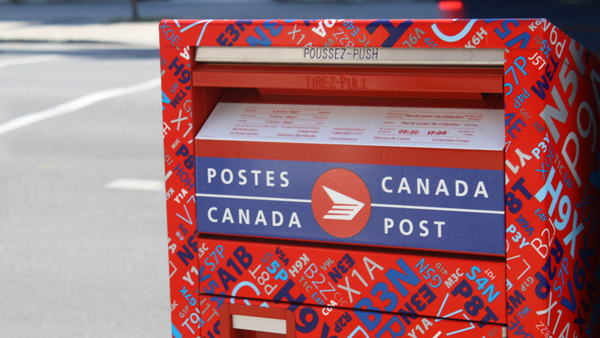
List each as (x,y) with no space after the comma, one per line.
(447,209)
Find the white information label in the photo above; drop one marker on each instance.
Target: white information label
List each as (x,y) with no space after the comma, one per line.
(475,129)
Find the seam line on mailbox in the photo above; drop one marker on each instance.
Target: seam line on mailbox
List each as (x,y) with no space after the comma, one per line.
(395,206)
(256,198)
(375,205)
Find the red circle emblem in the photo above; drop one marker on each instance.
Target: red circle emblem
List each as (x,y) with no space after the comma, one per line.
(341,203)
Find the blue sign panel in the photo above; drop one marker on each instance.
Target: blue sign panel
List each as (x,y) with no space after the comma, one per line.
(428,208)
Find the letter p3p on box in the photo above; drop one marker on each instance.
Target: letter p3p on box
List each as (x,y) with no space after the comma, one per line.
(418,178)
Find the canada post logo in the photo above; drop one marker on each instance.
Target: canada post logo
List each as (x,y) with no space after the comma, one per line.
(341,203)
(447,209)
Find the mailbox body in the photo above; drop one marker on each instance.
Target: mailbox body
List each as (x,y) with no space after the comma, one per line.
(526,265)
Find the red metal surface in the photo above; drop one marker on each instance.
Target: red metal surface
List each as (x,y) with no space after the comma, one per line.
(347,98)
(371,280)
(552,108)
(343,322)
(446,158)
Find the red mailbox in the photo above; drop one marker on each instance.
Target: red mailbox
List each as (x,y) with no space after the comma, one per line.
(380,178)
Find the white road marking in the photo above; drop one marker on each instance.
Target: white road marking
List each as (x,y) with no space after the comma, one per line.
(26,60)
(76,104)
(134,184)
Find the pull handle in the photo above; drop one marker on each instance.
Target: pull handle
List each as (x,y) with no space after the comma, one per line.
(241,321)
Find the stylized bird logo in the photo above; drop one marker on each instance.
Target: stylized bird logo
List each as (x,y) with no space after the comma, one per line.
(344,208)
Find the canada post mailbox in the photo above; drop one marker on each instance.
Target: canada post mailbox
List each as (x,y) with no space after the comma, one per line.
(380,178)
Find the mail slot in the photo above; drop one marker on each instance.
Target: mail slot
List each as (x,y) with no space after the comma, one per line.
(343,177)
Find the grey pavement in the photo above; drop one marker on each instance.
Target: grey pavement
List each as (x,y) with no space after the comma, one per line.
(81,254)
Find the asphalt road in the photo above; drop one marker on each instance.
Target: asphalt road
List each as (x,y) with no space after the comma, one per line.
(77,257)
